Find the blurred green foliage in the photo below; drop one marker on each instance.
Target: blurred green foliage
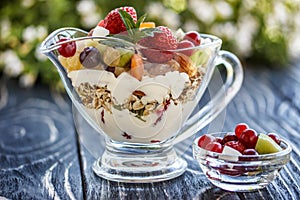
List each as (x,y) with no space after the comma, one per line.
(264,31)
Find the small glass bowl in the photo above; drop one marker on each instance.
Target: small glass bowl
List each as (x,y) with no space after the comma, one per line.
(241,173)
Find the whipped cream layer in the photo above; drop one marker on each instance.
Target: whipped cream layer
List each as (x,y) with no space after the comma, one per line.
(126,109)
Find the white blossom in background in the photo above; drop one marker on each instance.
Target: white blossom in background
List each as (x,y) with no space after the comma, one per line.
(203,10)
(191,25)
(5,29)
(27,80)
(29,33)
(223,9)
(42,32)
(32,33)
(294,39)
(280,13)
(39,55)
(279,18)
(249,4)
(168,17)
(225,30)
(294,46)
(88,12)
(246,28)
(155,9)
(171,19)
(13,66)
(27,3)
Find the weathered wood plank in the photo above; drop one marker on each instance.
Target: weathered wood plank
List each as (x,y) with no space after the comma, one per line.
(38,148)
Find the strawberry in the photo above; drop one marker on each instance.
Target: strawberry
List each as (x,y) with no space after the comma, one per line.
(113,21)
(159,45)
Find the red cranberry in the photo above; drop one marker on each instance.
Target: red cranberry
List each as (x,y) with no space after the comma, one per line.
(193,36)
(240,128)
(236,145)
(67,49)
(249,138)
(275,137)
(205,139)
(230,136)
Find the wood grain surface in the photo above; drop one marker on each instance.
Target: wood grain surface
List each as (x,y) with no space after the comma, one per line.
(46,154)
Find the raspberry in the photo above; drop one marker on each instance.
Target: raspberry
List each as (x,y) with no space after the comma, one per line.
(113,21)
(158,47)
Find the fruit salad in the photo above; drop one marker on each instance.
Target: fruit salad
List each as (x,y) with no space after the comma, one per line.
(243,141)
(136,80)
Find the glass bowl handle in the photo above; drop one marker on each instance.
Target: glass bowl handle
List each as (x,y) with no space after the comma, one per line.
(220,100)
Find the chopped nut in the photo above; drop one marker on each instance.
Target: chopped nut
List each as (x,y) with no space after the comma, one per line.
(186,64)
(138,93)
(137,105)
(150,106)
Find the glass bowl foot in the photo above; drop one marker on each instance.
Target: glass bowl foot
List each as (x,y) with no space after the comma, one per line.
(139,164)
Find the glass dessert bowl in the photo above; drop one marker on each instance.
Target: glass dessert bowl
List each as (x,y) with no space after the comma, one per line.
(141,96)
(237,172)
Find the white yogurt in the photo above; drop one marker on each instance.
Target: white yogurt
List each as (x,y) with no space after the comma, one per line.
(124,125)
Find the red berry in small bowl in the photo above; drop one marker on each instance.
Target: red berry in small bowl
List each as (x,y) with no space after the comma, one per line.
(275,137)
(249,138)
(194,37)
(215,147)
(240,128)
(236,145)
(219,139)
(250,152)
(67,49)
(230,136)
(205,139)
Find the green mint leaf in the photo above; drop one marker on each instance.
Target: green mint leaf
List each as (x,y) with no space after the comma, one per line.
(127,19)
(140,20)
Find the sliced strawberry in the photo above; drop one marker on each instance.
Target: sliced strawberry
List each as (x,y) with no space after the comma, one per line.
(159,46)
(113,21)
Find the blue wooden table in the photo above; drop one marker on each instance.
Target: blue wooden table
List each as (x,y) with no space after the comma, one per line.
(47,149)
